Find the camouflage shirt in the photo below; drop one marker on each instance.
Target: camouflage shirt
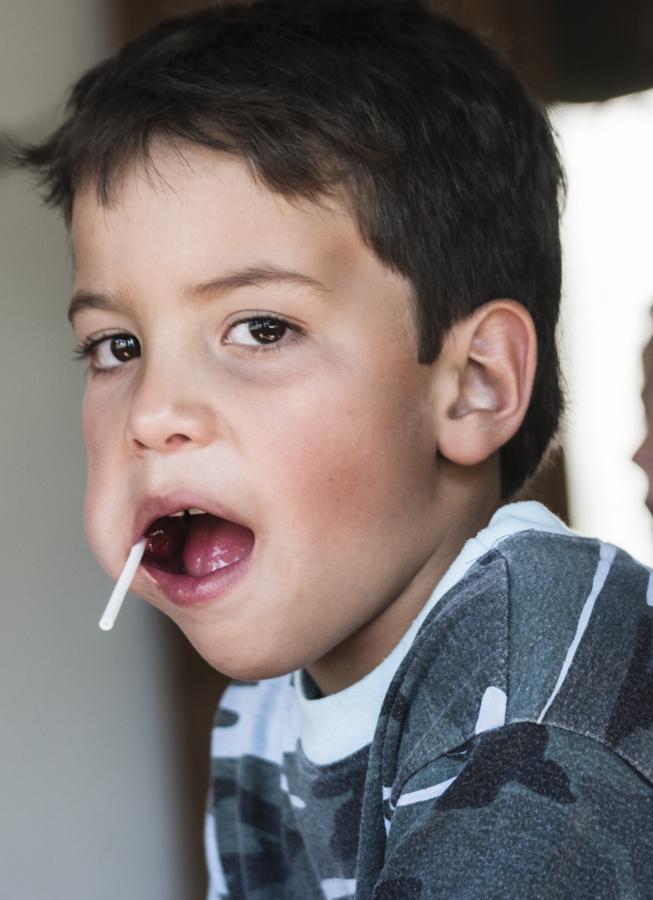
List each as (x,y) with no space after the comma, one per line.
(512,755)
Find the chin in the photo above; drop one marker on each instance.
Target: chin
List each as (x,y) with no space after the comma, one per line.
(249,670)
(244,662)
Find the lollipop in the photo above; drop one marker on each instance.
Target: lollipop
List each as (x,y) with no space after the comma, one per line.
(122,585)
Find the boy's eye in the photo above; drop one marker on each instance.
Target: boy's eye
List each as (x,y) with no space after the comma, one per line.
(111,351)
(258,332)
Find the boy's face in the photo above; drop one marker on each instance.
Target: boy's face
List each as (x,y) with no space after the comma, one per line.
(266,373)
(644,455)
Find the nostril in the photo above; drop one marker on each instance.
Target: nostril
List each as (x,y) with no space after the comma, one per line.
(162,419)
(160,443)
(177,440)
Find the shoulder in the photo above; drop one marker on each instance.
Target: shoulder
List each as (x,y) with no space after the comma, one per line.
(582,644)
(545,628)
(526,810)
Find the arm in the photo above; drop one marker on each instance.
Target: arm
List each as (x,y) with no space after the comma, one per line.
(534,812)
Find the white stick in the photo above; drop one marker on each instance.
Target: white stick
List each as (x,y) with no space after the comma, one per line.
(119,592)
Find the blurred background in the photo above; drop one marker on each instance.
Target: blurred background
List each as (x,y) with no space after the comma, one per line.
(104,749)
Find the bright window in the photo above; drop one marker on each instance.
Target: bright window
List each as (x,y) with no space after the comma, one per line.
(608,246)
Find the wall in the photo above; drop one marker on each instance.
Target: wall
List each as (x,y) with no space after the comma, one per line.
(90,802)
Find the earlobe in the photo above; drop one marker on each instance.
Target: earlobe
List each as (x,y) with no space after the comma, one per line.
(490,361)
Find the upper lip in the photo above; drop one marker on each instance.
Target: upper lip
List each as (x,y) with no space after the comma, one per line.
(156,506)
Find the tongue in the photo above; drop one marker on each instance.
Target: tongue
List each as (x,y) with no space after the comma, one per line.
(214,543)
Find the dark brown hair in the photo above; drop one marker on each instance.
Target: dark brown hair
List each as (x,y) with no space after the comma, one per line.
(449,165)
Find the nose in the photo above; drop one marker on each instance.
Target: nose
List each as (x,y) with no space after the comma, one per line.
(643,456)
(168,413)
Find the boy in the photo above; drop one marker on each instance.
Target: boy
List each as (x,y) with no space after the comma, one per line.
(317,281)
(644,455)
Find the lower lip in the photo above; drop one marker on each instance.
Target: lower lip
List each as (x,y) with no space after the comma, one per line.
(185,590)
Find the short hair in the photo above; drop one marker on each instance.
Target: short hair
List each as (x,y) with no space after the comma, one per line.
(448,164)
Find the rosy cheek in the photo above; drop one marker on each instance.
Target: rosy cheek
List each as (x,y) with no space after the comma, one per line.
(92,425)
(100,485)
(325,473)
(102,429)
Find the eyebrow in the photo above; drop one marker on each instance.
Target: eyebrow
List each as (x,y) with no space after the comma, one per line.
(253,276)
(88,300)
(250,276)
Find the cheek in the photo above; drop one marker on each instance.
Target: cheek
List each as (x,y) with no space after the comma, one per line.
(97,438)
(101,483)
(94,424)
(347,463)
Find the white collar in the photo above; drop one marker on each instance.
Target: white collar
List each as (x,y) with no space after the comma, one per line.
(324,736)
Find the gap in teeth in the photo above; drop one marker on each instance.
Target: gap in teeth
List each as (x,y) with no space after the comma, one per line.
(193,511)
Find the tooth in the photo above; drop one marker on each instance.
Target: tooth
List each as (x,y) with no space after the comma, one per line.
(185,513)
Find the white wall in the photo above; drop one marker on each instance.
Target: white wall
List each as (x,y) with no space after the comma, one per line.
(89,799)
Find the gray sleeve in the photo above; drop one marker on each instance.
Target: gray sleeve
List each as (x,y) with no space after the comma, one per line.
(533,812)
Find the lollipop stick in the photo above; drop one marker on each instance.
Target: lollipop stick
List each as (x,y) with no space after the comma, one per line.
(119,592)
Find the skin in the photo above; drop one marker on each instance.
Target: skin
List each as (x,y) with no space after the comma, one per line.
(644,455)
(360,471)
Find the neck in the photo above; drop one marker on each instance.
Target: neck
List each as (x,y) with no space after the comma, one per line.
(363,650)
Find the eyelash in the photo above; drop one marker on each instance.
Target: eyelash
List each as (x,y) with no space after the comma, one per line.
(85,348)
(295,332)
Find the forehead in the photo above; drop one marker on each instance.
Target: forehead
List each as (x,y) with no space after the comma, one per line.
(195,208)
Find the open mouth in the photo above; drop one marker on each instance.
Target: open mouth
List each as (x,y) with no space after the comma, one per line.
(195,543)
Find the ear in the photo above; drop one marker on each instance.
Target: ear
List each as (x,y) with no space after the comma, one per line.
(486,378)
